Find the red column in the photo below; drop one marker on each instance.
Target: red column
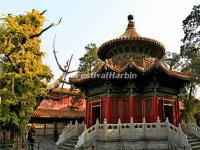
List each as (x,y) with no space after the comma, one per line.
(155,108)
(86,113)
(107,109)
(131,106)
(178,112)
(90,113)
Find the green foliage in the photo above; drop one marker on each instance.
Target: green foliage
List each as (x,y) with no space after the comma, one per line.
(23,76)
(191,107)
(190,51)
(191,28)
(90,60)
(190,48)
(172,59)
(88,63)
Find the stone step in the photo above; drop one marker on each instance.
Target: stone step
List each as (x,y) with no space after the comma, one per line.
(191,137)
(65,148)
(197,147)
(75,138)
(69,145)
(195,144)
(193,140)
(73,142)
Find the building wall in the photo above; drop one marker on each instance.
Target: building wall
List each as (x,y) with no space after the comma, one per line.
(137,107)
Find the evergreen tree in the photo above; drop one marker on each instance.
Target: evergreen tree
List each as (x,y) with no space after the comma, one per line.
(90,60)
(190,53)
(173,60)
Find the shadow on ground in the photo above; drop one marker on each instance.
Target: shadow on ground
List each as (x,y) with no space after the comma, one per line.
(45,142)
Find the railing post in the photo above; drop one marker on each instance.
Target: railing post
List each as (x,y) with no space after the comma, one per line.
(144,126)
(131,120)
(168,128)
(97,128)
(167,122)
(158,127)
(85,133)
(105,127)
(76,128)
(131,125)
(158,122)
(144,122)
(179,131)
(70,125)
(119,126)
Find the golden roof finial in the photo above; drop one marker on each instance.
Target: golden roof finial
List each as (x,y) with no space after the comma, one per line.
(131,23)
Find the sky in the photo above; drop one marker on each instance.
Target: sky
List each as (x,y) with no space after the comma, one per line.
(97,21)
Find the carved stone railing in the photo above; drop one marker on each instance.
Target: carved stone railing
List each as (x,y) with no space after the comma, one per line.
(70,131)
(134,132)
(194,129)
(177,137)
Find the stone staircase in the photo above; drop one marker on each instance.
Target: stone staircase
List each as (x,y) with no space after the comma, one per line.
(69,144)
(194,142)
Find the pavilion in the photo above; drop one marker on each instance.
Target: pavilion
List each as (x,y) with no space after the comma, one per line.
(132,82)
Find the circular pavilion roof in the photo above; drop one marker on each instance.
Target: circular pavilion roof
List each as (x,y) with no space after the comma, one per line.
(131,36)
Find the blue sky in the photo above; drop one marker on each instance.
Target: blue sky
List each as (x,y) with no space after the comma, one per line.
(90,21)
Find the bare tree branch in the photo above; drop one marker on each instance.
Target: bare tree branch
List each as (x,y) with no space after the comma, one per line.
(54,52)
(43,12)
(72,71)
(45,29)
(68,63)
(64,69)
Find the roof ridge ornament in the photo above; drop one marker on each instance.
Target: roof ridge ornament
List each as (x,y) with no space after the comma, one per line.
(131,24)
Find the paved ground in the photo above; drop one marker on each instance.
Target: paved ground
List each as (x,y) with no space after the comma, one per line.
(45,143)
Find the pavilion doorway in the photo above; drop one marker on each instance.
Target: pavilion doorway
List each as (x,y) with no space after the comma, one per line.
(168,113)
(95,114)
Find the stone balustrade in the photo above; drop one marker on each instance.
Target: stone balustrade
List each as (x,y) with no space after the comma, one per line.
(133,132)
(70,131)
(177,137)
(194,129)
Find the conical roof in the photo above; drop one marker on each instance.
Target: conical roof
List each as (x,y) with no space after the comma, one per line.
(131,37)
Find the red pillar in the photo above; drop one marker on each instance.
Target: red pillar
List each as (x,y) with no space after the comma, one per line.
(178,112)
(155,115)
(86,113)
(107,109)
(131,106)
(90,113)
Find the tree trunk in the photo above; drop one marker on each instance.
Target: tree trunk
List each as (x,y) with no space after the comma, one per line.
(190,92)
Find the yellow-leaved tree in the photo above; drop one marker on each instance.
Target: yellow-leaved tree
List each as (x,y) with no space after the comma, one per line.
(23,76)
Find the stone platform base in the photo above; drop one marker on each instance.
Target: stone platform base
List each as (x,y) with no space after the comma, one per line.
(136,145)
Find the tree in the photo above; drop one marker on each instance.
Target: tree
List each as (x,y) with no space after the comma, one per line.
(190,53)
(191,47)
(90,59)
(76,97)
(191,107)
(191,40)
(23,76)
(173,60)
